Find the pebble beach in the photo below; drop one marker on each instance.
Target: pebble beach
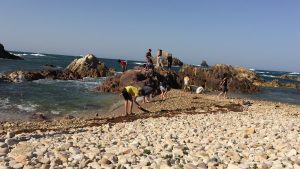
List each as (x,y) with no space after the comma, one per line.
(186,130)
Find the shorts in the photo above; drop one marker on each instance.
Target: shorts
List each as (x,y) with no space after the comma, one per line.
(127,96)
(225,89)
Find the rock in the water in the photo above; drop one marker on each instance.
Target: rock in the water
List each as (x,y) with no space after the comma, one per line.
(241,79)
(6,55)
(88,66)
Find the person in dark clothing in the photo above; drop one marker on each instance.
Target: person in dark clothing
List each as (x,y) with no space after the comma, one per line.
(123,64)
(149,56)
(224,85)
(170,60)
(146,92)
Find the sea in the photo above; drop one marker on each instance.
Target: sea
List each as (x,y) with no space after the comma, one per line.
(57,98)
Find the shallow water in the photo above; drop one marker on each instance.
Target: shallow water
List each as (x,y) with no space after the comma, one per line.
(57,98)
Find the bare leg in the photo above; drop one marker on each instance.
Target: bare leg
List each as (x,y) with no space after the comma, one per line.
(165,93)
(147,99)
(126,106)
(220,94)
(130,106)
(225,95)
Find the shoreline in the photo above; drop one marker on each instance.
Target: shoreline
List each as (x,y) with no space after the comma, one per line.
(184,131)
(156,108)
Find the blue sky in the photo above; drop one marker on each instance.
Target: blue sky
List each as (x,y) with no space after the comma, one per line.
(255,34)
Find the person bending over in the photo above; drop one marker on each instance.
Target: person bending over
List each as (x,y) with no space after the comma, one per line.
(130,93)
(146,92)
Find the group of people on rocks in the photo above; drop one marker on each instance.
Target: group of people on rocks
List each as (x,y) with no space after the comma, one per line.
(130,93)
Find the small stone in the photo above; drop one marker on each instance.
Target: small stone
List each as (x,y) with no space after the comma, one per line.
(94,165)
(291,153)
(189,166)
(11,141)
(104,161)
(9,135)
(74,150)
(232,166)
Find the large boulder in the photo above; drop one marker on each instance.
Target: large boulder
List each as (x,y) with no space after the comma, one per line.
(139,77)
(175,60)
(88,66)
(241,79)
(6,55)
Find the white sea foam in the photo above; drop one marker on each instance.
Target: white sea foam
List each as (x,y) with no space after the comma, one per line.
(262,72)
(294,73)
(139,63)
(55,112)
(252,69)
(37,54)
(267,75)
(27,107)
(5,103)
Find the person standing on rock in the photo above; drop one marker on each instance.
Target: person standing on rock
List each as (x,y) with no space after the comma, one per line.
(130,94)
(148,56)
(123,64)
(224,86)
(170,60)
(159,60)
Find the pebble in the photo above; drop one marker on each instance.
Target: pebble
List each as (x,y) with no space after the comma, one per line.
(260,136)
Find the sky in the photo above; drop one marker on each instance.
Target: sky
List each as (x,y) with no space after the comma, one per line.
(260,34)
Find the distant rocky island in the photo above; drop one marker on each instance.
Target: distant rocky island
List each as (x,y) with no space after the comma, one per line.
(6,55)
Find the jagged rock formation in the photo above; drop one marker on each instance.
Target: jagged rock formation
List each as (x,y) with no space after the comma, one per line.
(276,83)
(241,79)
(204,64)
(139,77)
(6,55)
(175,60)
(88,66)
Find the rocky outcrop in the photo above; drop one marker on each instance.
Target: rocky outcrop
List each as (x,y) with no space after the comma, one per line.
(139,77)
(88,66)
(175,60)
(6,55)
(241,79)
(288,77)
(276,83)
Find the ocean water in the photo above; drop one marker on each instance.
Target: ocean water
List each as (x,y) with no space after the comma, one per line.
(54,98)
(57,98)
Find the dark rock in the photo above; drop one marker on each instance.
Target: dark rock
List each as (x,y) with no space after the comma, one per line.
(139,77)
(241,80)
(6,55)
(39,116)
(88,66)
(204,64)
